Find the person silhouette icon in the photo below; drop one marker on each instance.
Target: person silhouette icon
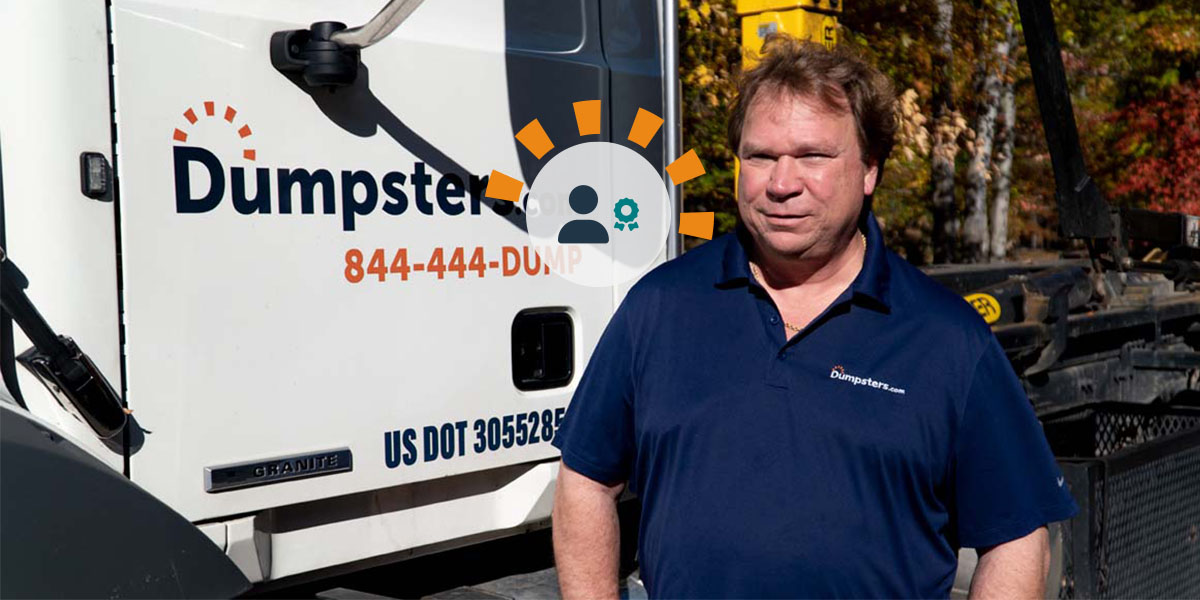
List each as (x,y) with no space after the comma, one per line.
(583,200)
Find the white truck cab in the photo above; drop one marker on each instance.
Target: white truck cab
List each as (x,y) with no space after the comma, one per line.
(333,347)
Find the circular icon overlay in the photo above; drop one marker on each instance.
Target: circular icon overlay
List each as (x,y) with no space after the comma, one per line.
(598,214)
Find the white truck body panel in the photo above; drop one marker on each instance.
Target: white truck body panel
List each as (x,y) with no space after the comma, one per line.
(59,109)
(244,340)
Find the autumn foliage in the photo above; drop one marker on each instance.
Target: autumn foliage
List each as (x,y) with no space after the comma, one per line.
(1160,142)
(1132,68)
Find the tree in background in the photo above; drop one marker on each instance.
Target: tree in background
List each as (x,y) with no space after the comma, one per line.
(992,67)
(945,145)
(1132,71)
(710,56)
(1142,103)
(1161,140)
(1004,153)
(1130,64)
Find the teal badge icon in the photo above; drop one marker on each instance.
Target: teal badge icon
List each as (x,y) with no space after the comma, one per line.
(626,211)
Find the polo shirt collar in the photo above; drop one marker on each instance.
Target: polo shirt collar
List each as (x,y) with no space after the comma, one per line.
(872,281)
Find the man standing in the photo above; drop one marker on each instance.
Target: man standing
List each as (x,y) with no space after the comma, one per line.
(801,412)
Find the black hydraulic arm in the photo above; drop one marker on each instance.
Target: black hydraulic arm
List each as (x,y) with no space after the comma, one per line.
(1082,212)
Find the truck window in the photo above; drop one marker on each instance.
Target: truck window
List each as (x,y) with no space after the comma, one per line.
(543,26)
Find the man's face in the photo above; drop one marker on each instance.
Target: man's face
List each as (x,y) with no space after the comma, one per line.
(802,178)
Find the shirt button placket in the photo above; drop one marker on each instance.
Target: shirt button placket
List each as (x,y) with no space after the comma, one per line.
(778,370)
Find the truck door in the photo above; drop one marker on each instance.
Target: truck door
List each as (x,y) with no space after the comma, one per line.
(314,275)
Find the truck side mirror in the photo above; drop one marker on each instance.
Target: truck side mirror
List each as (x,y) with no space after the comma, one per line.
(314,56)
(327,53)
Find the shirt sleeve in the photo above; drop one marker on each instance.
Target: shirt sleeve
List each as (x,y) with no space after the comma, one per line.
(596,436)
(1006,481)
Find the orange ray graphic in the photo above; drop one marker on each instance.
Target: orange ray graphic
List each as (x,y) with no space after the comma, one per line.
(210,109)
(503,187)
(534,138)
(645,125)
(696,224)
(685,167)
(587,116)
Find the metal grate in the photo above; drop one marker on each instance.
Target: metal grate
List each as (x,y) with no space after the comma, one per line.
(1116,431)
(1150,541)
(1135,472)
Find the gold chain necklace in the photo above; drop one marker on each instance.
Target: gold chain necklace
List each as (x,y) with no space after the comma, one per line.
(759,276)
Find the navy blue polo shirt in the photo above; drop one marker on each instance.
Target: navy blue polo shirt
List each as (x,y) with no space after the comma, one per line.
(851,460)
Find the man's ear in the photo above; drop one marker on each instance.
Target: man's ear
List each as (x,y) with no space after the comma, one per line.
(870,178)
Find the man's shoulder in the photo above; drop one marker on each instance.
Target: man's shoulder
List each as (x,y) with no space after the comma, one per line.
(916,295)
(698,268)
(679,282)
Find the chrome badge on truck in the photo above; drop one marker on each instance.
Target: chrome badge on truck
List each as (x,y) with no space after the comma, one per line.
(275,470)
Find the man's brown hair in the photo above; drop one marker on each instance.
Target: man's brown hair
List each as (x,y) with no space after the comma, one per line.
(839,78)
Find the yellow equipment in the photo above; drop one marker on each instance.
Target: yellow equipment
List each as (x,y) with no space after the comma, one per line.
(814,20)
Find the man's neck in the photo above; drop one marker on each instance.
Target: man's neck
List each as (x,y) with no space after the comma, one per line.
(789,274)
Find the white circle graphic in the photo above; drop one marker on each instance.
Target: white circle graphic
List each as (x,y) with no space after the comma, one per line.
(598,214)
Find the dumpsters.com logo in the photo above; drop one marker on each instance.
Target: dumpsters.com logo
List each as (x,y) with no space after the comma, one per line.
(839,372)
(288,190)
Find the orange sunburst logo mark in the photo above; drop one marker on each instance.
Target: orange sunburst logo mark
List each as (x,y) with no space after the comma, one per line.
(210,110)
(645,126)
(839,369)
